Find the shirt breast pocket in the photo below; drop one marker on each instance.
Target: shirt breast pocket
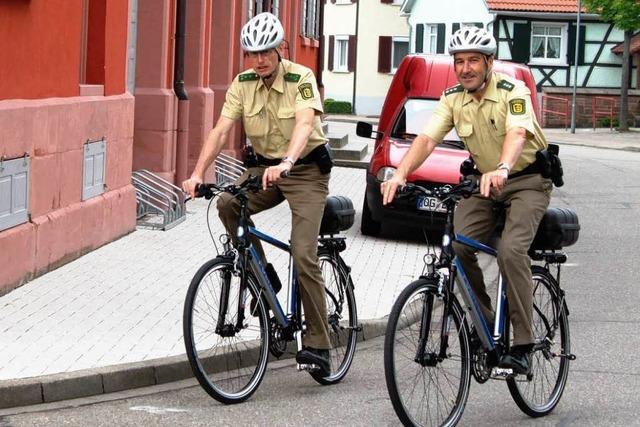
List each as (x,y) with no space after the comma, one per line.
(254,122)
(464,130)
(286,121)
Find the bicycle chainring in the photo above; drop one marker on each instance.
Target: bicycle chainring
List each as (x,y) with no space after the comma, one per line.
(479,368)
(277,341)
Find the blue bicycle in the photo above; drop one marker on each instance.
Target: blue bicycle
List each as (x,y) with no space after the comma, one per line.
(431,351)
(228,331)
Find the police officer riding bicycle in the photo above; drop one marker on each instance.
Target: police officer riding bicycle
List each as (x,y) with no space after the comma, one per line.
(280,108)
(493,115)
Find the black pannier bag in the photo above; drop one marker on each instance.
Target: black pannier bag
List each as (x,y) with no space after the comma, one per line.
(338,215)
(559,228)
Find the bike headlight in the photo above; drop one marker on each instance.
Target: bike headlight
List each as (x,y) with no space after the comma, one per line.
(240,231)
(385,173)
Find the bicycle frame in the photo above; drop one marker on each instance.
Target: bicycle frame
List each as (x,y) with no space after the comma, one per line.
(489,339)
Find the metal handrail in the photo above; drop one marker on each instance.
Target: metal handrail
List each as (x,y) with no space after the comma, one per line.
(563,112)
(602,113)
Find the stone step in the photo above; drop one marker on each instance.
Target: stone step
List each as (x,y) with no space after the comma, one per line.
(325,127)
(337,140)
(359,164)
(355,150)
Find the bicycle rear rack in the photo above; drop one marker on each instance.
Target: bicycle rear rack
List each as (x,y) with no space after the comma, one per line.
(159,204)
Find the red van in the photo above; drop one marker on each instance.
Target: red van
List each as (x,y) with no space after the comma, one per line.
(411,99)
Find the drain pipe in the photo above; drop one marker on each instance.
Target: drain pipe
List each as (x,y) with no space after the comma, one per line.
(182,139)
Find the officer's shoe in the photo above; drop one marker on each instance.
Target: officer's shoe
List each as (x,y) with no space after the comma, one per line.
(319,357)
(275,283)
(518,359)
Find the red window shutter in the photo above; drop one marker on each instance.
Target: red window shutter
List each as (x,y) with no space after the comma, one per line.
(331,46)
(384,54)
(352,51)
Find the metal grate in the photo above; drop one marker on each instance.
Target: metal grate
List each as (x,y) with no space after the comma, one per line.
(160,204)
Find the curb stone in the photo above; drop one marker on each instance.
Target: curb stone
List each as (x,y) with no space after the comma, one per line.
(103,380)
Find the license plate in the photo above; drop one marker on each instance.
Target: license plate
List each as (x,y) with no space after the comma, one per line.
(431,204)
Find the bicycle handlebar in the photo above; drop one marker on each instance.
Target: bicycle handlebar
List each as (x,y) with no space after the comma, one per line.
(253,183)
(464,189)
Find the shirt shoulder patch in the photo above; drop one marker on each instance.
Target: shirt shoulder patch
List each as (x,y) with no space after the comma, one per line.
(292,77)
(248,77)
(503,84)
(453,89)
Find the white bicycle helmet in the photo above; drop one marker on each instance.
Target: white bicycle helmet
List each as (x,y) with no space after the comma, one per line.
(472,39)
(263,31)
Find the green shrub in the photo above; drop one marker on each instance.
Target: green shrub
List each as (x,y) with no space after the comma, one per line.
(331,106)
(605,122)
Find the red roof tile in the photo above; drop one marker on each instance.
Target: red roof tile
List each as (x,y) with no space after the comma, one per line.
(634,49)
(557,6)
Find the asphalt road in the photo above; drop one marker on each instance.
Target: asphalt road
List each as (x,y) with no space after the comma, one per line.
(603,296)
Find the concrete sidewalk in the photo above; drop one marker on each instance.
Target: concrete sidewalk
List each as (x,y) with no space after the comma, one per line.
(112,319)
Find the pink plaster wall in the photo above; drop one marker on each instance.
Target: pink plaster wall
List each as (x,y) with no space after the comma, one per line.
(53,133)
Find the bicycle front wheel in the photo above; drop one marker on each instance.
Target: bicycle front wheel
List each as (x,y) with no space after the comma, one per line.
(539,394)
(427,387)
(342,317)
(228,357)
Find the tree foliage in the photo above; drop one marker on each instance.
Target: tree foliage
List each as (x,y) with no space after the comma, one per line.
(624,14)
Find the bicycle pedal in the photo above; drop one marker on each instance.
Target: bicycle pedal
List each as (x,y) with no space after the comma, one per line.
(502,372)
(309,367)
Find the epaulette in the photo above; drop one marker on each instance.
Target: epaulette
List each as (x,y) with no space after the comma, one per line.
(292,77)
(453,89)
(248,77)
(503,84)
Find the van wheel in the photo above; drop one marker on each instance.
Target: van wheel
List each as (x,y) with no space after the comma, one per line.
(368,226)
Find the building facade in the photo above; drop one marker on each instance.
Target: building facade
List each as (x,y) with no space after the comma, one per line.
(544,36)
(361,55)
(112,86)
(66,132)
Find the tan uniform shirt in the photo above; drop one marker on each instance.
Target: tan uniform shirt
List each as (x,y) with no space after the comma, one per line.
(268,115)
(482,125)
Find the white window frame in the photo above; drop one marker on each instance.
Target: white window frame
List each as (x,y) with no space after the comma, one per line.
(430,33)
(397,2)
(337,67)
(564,41)
(395,39)
(343,2)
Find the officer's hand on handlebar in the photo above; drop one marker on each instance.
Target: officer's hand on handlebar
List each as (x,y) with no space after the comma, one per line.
(189,186)
(273,173)
(493,181)
(390,187)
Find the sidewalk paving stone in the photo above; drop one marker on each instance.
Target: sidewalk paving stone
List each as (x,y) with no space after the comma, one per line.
(123,302)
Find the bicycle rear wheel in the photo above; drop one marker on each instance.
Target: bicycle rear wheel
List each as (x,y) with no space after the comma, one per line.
(228,362)
(427,390)
(549,365)
(342,316)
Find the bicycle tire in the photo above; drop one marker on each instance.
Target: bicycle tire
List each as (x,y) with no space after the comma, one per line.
(229,368)
(404,375)
(550,324)
(342,323)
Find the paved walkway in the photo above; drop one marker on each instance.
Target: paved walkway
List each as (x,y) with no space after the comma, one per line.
(122,303)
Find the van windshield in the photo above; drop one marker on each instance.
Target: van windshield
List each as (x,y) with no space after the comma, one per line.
(414,115)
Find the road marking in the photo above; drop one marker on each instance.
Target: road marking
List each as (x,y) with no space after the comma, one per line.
(156,410)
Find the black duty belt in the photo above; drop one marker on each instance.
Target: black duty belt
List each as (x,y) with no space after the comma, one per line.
(265,161)
(532,169)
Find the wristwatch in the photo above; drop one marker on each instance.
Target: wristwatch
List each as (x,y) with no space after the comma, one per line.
(288,160)
(505,166)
